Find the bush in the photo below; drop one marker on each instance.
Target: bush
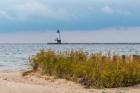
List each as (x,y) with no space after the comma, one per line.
(91,70)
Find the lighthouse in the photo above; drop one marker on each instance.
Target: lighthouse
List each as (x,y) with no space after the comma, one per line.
(58,37)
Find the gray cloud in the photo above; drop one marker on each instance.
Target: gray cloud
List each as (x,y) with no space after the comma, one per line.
(110,10)
(69,14)
(60,8)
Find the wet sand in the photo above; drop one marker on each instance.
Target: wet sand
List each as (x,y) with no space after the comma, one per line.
(14,82)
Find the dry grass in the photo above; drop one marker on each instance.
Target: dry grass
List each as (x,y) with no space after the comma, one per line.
(91,70)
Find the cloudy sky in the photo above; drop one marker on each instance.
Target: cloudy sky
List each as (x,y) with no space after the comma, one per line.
(95,19)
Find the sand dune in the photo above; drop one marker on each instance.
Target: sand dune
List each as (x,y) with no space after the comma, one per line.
(14,82)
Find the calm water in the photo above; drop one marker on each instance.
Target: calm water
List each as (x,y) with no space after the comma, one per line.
(15,56)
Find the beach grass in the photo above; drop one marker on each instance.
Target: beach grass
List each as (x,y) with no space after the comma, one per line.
(93,70)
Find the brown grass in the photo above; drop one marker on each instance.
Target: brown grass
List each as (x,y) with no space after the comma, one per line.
(91,70)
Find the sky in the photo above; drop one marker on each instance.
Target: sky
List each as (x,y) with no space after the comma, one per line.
(99,20)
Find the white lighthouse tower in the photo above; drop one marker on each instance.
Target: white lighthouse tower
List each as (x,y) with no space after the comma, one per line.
(58,37)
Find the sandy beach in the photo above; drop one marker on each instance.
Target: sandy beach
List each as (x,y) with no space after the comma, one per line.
(14,82)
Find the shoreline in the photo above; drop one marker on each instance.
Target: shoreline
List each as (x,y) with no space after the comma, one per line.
(14,82)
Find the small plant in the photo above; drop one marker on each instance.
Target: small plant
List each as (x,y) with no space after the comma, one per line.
(91,70)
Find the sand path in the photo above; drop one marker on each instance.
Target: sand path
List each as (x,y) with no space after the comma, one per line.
(14,82)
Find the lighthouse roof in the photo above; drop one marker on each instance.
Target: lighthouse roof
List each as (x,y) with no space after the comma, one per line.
(58,31)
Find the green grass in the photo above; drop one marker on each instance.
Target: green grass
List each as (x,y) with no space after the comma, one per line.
(92,70)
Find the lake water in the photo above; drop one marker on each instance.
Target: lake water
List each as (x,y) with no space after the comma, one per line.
(15,56)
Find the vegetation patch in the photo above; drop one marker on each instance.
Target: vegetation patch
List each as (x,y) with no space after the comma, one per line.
(92,70)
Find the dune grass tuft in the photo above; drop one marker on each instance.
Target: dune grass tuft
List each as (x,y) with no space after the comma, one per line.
(92,70)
